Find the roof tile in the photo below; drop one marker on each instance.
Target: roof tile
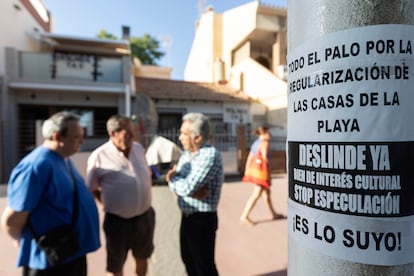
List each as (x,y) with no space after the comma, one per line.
(165,89)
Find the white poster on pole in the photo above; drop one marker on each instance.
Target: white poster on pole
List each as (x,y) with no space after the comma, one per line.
(351,144)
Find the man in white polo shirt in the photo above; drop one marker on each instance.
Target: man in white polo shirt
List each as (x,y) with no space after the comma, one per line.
(120,179)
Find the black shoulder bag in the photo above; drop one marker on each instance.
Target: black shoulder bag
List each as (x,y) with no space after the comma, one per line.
(61,243)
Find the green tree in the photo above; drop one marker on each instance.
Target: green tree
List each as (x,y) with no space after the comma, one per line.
(105,34)
(146,47)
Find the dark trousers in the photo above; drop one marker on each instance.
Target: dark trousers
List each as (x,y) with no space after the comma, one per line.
(76,267)
(197,241)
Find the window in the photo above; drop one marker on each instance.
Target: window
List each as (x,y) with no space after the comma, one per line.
(94,120)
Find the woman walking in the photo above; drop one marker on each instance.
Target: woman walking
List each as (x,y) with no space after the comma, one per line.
(257,172)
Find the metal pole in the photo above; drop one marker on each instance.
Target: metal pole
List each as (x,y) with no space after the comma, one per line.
(351,137)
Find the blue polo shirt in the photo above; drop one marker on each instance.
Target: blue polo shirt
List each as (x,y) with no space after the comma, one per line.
(42,184)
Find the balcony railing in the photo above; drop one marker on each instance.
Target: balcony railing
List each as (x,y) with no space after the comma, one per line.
(67,66)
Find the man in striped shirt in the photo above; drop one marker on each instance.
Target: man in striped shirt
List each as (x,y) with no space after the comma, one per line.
(197,180)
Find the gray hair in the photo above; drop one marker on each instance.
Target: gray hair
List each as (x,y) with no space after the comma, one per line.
(200,124)
(59,122)
(116,122)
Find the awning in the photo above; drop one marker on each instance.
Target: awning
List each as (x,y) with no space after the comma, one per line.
(84,44)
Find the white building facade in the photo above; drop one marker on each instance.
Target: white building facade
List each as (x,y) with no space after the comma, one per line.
(42,73)
(246,48)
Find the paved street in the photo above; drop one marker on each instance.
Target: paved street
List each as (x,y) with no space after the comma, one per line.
(240,249)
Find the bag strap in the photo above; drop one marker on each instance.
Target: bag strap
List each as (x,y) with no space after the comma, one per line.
(75,201)
(75,194)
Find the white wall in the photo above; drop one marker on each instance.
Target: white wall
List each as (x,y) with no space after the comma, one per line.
(238,23)
(271,90)
(15,29)
(215,37)
(200,62)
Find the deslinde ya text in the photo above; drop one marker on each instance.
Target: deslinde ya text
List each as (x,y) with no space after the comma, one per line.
(345,157)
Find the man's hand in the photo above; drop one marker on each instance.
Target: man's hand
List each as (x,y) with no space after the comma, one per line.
(97,194)
(171,173)
(201,193)
(13,222)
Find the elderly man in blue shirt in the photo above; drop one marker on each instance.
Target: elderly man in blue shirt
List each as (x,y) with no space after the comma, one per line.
(40,198)
(197,180)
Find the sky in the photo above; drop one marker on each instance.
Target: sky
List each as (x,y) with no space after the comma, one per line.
(172,22)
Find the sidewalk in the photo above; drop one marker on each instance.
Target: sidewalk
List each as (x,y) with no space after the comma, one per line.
(240,249)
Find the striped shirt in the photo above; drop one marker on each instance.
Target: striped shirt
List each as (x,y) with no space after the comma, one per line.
(204,169)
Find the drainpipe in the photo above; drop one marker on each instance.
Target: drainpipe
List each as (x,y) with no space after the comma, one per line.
(127,100)
(351,137)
